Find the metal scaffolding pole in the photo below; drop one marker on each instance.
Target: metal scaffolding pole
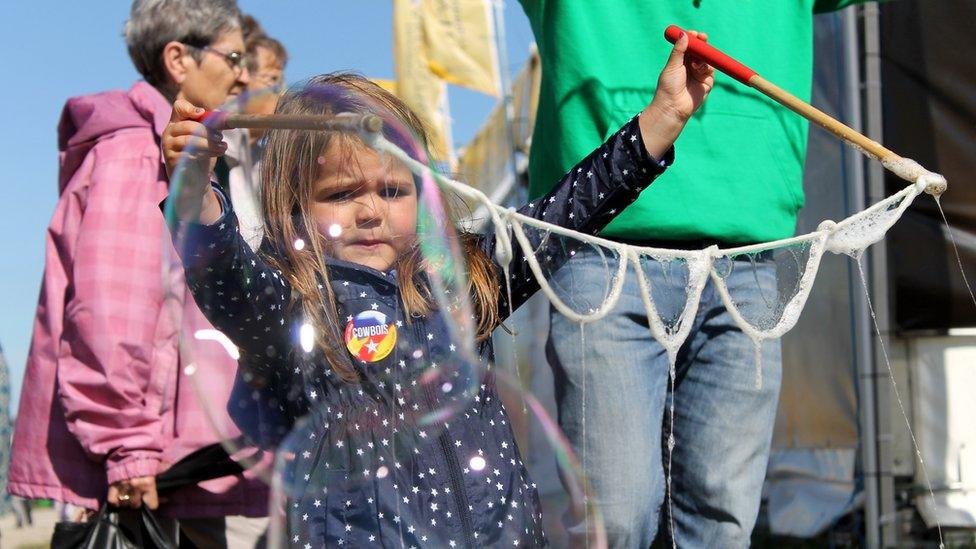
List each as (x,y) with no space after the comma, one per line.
(876,432)
(863,332)
(506,82)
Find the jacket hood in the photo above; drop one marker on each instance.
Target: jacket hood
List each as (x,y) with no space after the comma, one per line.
(87,119)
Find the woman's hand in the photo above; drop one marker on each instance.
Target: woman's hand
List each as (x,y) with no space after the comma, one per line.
(681,89)
(189,148)
(134,492)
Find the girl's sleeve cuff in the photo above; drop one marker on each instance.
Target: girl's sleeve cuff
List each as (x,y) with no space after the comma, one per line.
(206,244)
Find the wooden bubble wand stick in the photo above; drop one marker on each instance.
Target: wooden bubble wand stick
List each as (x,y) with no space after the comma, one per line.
(337,122)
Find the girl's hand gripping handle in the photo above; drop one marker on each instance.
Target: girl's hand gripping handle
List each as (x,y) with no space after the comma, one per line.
(189,148)
(682,87)
(711,55)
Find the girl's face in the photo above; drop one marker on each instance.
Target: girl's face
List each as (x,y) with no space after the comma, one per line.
(365,205)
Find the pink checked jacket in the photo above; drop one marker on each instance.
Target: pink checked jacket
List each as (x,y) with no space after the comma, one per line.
(105,396)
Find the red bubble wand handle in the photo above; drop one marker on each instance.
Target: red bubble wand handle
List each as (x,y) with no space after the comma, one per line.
(716,58)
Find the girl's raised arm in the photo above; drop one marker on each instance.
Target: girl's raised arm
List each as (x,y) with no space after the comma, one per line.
(585,200)
(610,178)
(238,292)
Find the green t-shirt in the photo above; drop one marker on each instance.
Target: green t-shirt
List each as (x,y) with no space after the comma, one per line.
(738,171)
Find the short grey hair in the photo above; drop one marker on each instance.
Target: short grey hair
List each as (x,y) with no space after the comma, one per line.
(154,23)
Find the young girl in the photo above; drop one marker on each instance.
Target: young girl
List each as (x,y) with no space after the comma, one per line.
(341,255)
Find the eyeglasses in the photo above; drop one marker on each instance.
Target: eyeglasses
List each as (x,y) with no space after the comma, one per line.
(234,59)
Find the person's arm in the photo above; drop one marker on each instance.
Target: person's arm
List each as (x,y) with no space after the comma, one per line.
(585,200)
(108,375)
(610,178)
(246,299)
(238,292)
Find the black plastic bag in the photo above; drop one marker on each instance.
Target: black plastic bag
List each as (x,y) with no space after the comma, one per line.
(105,531)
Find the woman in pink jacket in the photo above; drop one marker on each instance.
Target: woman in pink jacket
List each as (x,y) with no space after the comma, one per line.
(104,407)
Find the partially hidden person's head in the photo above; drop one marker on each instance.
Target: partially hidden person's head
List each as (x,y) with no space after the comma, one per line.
(340,198)
(250,27)
(266,62)
(189,49)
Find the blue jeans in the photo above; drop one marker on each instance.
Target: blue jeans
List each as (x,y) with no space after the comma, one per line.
(618,428)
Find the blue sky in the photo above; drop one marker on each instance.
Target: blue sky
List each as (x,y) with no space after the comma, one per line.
(56,49)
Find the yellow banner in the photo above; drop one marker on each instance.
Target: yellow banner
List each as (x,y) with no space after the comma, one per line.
(486,161)
(416,85)
(459,37)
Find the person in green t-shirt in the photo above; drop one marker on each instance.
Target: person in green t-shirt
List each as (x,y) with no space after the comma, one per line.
(737,179)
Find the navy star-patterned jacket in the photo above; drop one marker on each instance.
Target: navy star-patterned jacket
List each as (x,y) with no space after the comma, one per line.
(359,468)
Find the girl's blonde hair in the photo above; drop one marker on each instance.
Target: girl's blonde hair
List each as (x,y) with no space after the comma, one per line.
(289,171)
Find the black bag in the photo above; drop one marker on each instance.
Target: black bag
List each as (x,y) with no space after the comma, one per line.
(106,531)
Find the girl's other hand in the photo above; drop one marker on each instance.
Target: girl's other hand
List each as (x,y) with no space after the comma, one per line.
(186,135)
(190,145)
(684,84)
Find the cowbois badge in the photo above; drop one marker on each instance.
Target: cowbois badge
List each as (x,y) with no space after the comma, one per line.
(370,336)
